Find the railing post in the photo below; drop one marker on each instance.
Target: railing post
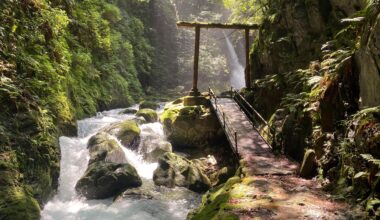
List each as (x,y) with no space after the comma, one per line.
(224,120)
(236,143)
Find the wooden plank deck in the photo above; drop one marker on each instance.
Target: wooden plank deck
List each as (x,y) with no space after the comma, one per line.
(274,177)
(251,146)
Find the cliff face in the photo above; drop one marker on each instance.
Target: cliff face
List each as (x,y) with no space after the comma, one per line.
(293,32)
(316,65)
(368,60)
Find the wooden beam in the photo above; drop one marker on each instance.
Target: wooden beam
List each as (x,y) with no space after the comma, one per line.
(217,25)
(248,66)
(194,91)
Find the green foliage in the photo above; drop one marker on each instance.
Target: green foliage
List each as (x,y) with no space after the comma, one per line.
(247,11)
(61,61)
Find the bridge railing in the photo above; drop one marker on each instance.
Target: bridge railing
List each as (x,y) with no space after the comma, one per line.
(231,134)
(253,115)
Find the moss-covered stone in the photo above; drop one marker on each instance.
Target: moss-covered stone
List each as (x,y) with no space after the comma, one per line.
(103,147)
(103,180)
(128,132)
(152,150)
(17,203)
(149,115)
(128,111)
(214,202)
(148,104)
(174,170)
(190,126)
(195,100)
(309,164)
(222,175)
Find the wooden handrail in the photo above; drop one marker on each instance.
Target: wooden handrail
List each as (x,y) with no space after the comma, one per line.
(238,95)
(230,132)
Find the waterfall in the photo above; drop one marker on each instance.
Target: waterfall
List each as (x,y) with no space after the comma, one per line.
(237,79)
(67,205)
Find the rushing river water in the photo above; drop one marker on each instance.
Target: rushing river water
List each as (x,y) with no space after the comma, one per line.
(166,204)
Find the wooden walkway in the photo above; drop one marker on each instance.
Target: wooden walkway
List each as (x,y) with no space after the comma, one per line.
(274,190)
(251,146)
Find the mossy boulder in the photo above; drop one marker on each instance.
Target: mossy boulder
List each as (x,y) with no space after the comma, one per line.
(148,104)
(149,115)
(103,180)
(103,147)
(16,202)
(153,149)
(365,131)
(291,130)
(190,126)
(222,175)
(174,170)
(309,164)
(128,111)
(216,200)
(128,132)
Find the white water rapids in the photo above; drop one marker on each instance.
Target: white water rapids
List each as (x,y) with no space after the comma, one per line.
(167,204)
(237,70)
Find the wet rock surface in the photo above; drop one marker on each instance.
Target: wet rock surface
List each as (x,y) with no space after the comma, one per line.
(174,170)
(190,126)
(103,180)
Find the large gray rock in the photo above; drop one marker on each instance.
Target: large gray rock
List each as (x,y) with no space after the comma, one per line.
(149,115)
(102,147)
(190,126)
(174,170)
(156,149)
(108,172)
(103,180)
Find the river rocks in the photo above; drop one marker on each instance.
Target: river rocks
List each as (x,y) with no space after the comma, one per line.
(128,132)
(129,111)
(108,172)
(149,115)
(103,147)
(103,180)
(175,170)
(148,104)
(190,126)
(154,149)
(135,193)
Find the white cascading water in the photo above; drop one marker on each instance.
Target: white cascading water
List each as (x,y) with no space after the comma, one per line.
(237,70)
(167,203)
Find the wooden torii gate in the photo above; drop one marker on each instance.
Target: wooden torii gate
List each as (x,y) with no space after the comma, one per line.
(198,25)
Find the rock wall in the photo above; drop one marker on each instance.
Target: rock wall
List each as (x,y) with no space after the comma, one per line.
(368,59)
(316,65)
(293,33)
(61,61)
